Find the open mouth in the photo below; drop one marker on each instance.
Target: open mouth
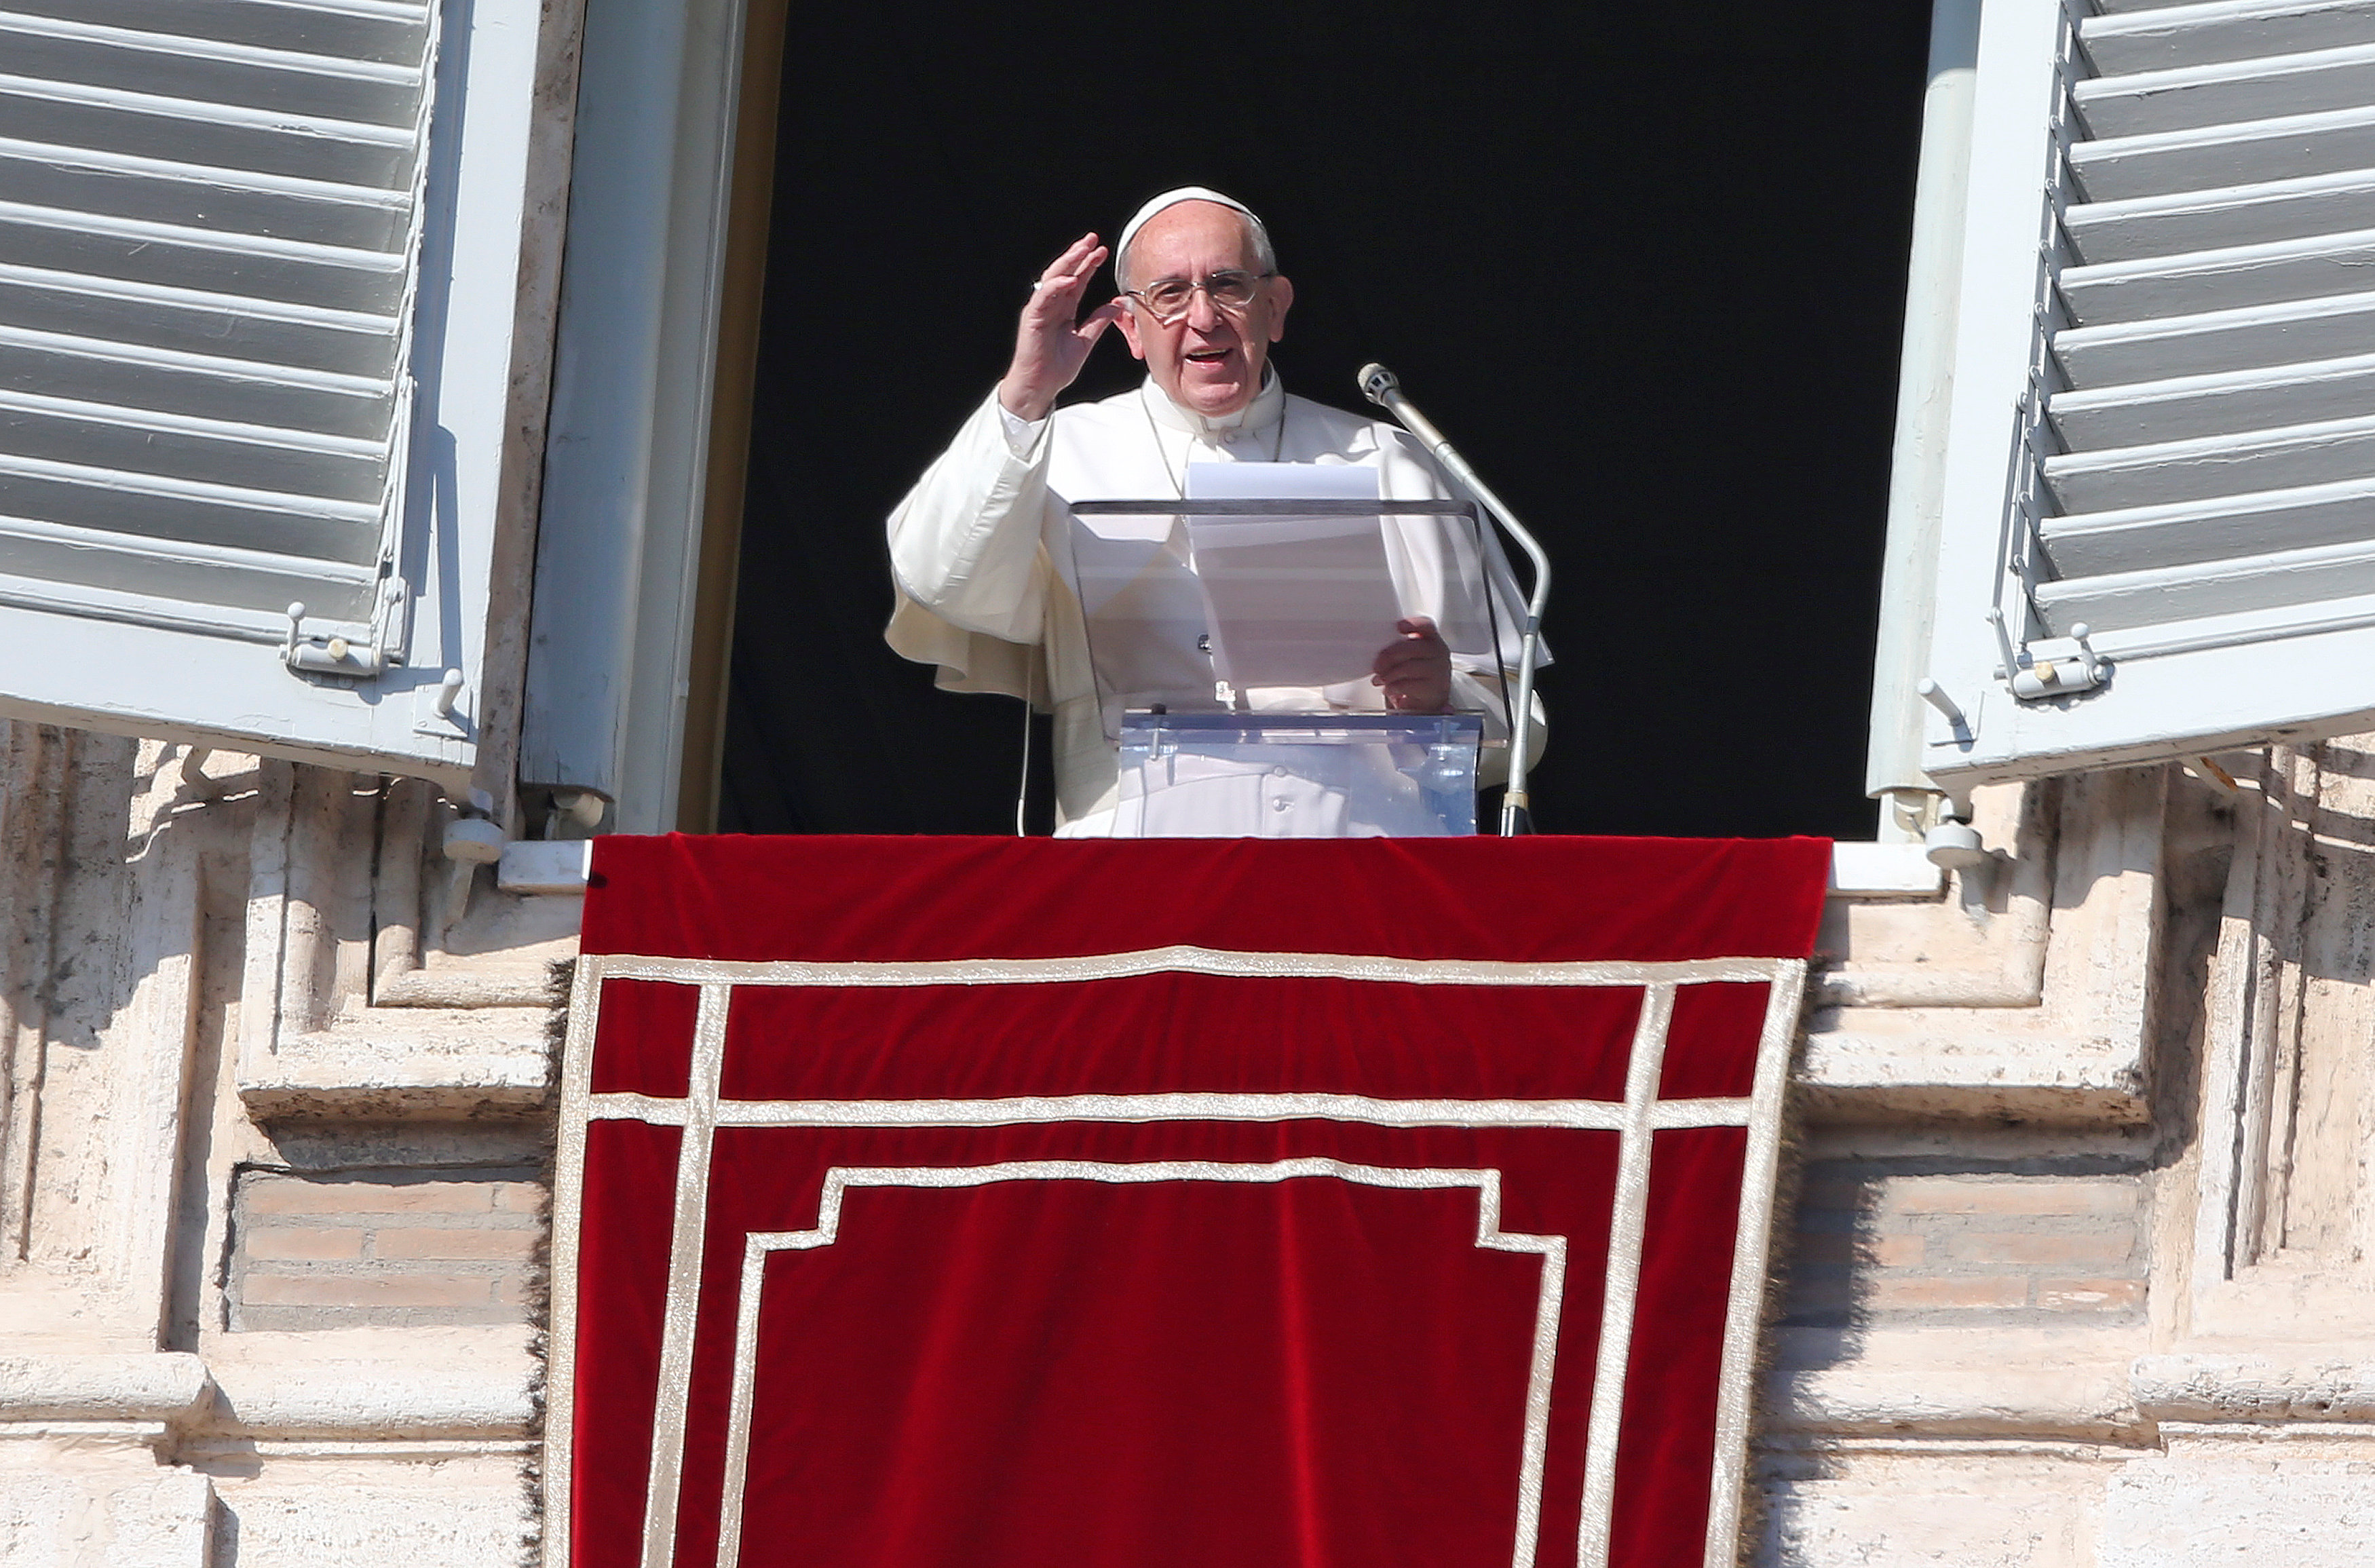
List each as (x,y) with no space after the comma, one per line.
(1208,356)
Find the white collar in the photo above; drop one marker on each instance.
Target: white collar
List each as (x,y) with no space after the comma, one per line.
(1264,411)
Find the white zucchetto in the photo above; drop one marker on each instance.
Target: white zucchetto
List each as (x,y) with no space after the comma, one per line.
(1172,198)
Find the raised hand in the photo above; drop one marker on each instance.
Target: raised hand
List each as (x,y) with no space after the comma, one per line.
(1050,344)
(1415,669)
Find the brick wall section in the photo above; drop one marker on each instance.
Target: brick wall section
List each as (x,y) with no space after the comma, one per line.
(1883,1243)
(336,1250)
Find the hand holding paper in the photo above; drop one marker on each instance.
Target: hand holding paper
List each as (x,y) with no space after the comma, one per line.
(1416,669)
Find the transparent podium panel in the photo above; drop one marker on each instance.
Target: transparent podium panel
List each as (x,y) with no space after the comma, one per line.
(1297,775)
(1277,594)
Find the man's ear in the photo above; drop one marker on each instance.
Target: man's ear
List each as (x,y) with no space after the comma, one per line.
(1127,322)
(1282,292)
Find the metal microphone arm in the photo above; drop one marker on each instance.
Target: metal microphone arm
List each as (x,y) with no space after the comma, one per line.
(1385,389)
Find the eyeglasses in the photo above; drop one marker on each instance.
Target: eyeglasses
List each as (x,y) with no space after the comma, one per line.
(1229,289)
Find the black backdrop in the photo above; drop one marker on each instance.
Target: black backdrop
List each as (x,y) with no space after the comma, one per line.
(1645,265)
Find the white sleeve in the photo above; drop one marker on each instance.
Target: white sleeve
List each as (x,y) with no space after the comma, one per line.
(964,543)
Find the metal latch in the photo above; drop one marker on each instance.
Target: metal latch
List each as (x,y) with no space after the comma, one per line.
(2050,666)
(334,653)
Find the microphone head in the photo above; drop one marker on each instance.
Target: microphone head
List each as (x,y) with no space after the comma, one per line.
(1377,383)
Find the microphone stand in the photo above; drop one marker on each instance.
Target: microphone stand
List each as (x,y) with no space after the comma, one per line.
(1385,389)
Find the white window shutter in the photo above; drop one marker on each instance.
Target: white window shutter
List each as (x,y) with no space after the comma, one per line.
(259,266)
(2162,428)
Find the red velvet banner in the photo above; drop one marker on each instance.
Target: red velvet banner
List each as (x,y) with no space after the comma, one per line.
(955,1203)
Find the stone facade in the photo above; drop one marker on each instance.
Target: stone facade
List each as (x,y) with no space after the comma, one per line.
(271,1168)
(2104,1305)
(2077,1276)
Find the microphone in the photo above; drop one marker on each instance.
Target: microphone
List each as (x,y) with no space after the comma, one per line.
(1384,388)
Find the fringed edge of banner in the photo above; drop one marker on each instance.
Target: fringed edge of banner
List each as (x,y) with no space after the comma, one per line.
(559,977)
(1789,1182)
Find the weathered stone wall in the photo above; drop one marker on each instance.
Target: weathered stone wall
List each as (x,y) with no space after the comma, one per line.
(272,1162)
(397,1244)
(1965,1235)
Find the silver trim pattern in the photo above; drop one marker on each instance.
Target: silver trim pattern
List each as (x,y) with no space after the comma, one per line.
(568,1213)
(1626,1224)
(1735,1386)
(1597,1116)
(684,1277)
(839,1180)
(1185,961)
(702,1111)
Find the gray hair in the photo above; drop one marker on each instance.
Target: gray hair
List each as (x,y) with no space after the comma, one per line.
(1257,233)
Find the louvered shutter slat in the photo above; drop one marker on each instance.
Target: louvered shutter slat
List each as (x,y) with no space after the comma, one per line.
(110,436)
(2194,98)
(139,376)
(2235,216)
(2178,33)
(2213,156)
(2230,277)
(255,581)
(2252,337)
(2219,528)
(259,275)
(2227,464)
(2192,474)
(211,451)
(271,206)
(333,351)
(384,30)
(2211,404)
(230,136)
(2199,67)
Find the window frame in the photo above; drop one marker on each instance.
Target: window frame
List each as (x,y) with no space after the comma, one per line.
(670,186)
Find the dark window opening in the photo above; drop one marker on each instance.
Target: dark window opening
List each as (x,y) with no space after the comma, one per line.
(1645,266)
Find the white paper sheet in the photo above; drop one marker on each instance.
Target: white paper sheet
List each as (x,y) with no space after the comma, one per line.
(1295,601)
(1282,481)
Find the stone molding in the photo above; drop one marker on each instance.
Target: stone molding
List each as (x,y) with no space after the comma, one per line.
(412,1384)
(365,1383)
(168,1386)
(2022,990)
(1950,1384)
(2025,992)
(420,1063)
(2321,1383)
(1926,1386)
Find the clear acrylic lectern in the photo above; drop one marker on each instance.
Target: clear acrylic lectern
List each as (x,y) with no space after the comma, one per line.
(1232,637)
(1298,776)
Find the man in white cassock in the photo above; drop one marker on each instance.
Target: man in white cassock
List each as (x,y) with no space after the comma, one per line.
(991,561)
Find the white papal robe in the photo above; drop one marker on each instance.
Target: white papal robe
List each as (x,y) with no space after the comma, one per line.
(985,552)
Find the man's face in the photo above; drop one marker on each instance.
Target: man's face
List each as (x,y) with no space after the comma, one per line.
(1210,360)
